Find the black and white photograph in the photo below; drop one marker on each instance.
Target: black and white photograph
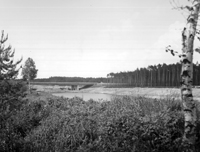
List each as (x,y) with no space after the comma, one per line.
(99,76)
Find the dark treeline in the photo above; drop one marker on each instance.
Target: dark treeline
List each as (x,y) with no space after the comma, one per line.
(154,76)
(161,75)
(71,79)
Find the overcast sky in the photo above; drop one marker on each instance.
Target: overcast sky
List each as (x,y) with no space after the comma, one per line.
(91,38)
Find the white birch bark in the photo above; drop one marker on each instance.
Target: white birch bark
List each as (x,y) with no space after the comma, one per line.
(189,107)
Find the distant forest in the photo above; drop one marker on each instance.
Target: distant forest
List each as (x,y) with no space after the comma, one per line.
(161,75)
(154,76)
(71,79)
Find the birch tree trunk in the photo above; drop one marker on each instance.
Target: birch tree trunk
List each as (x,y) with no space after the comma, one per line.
(189,107)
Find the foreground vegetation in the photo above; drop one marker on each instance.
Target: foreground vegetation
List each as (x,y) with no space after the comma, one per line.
(126,123)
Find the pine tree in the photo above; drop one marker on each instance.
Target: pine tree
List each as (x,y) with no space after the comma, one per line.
(12,93)
(8,69)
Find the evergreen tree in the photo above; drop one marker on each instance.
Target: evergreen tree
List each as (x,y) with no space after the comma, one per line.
(8,69)
(11,95)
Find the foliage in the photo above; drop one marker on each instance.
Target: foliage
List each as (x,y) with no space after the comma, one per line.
(124,124)
(29,71)
(7,67)
(60,124)
(11,101)
(161,75)
(12,93)
(71,79)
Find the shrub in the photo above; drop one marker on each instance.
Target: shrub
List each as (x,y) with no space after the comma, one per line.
(11,101)
(124,124)
(65,129)
(160,131)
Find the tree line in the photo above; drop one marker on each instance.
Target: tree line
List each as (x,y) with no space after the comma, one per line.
(71,79)
(154,76)
(161,75)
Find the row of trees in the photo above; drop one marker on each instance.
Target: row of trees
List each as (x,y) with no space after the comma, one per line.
(161,75)
(154,76)
(71,79)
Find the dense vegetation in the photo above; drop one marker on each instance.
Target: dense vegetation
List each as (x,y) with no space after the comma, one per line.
(12,95)
(124,124)
(154,76)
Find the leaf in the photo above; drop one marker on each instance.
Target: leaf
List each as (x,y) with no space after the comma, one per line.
(197,50)
(189,8)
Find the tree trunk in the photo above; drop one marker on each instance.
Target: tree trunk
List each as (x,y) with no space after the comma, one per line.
(189,107)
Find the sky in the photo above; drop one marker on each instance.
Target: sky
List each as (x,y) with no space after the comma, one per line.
(91,38)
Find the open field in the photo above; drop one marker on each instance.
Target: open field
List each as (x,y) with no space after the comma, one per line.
(147,92)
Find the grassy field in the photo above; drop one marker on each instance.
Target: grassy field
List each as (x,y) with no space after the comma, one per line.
(147,92)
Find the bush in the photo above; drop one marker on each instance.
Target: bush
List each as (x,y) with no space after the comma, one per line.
(11,101)
(150,133)
(69,127)
(124,124)
(142,124)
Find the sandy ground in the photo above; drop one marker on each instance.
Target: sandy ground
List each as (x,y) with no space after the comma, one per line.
(147,92)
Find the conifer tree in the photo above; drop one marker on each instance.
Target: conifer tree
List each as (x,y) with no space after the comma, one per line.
(8,69)
(12,93)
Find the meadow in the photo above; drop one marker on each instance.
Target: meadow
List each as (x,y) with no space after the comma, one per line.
(125,124)
(123,90)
